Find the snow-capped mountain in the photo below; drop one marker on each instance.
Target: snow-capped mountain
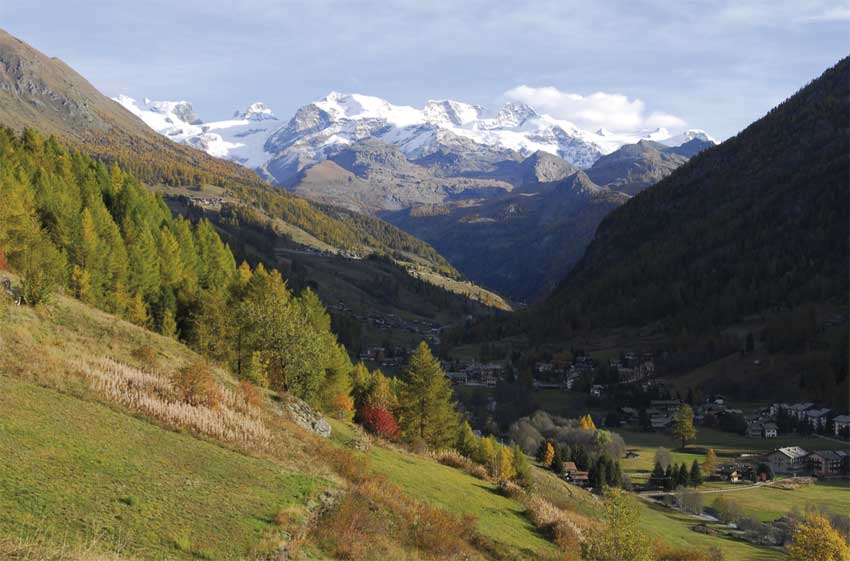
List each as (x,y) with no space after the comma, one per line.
(240,139)
(257,139)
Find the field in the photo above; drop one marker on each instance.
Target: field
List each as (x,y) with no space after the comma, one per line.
(726,445)
(765,503)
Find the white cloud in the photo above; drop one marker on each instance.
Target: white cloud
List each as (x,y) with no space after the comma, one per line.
(615,112)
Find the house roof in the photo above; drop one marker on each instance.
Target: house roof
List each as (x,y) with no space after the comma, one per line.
(827,455)
(770,426)
(792,452)
(815,413)
(802,406)
(570,466)
(842,419)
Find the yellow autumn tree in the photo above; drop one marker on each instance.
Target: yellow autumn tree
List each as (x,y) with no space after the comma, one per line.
(549,455)
(504,466)
(709,462)
(815,539)
(586,423)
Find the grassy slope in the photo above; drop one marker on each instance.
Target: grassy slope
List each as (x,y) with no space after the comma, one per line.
(72,468)
(500,519)
(75,468)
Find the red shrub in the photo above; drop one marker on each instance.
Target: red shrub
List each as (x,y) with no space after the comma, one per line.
(379,421)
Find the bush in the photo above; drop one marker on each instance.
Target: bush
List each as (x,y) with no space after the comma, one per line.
(380,422)
(342,407)
(196,385)
(253,398)
(146,355)
(728,511)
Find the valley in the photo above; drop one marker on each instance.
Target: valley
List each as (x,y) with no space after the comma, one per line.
(376,331)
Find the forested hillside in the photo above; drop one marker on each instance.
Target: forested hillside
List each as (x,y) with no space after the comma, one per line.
(757,223)
(70,222)
(46,95)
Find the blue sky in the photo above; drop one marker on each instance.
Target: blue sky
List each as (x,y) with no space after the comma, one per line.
(623,65)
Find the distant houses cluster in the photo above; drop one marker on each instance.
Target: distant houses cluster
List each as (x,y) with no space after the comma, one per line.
(475,373)
(630,367)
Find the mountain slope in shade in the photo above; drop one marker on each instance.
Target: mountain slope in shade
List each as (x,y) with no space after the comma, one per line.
(633,167)
(759,222)
(520,243)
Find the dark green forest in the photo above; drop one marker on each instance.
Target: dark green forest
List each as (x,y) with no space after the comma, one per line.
(757,223)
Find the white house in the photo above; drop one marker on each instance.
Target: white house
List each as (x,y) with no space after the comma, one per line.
(791,459)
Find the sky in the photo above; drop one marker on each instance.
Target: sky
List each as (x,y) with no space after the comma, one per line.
(624,66)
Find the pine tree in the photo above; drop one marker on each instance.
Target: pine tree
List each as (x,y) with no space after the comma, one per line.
(425,403)
(558,464)
(657,478)
(695,479)
(682,476)
(670,478)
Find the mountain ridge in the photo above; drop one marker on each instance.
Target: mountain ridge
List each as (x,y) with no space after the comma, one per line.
(317,130)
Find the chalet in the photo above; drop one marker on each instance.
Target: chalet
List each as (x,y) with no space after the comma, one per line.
(798,410)
(570,467)
(841,424)
(759,429)
(770,430)
(817,418)
(791,459)
(578,478)
(755,430)
(826,463)
(596,390)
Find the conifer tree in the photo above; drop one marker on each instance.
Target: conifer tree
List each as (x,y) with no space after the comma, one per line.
(683,425)
(695,479)
(425,404)
(467,442)
(505,464)
(709,463)
(522,467)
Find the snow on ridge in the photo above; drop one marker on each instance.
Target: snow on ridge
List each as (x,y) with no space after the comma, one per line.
(249,137)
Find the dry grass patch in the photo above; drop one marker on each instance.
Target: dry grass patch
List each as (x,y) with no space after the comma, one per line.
(195,403)
(37,549)
(455,459)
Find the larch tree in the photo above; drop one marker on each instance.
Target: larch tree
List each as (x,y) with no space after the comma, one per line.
(709,462)
(425,405)
(683,425)
(815,539)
